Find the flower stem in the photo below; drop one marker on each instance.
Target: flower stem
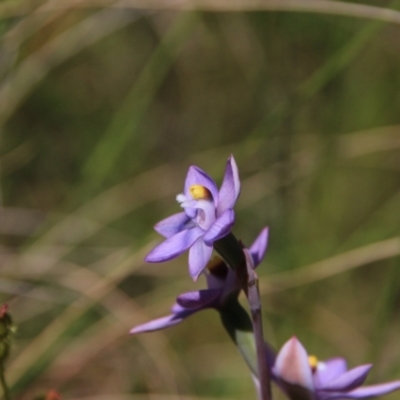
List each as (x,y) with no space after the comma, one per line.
(232,252)
(253,296)
(3,383)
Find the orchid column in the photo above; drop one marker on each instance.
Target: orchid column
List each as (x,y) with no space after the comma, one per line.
(204,225)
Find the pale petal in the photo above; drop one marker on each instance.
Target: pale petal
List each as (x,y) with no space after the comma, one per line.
(292,365)
(174,245)
(221,227)
(199,255)
(230,187)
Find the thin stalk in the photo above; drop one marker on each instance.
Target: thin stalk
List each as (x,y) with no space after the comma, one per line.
(3,383)
(253,296)
(232,252)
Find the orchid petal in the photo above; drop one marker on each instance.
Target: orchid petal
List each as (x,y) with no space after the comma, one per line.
(221,227)
(373,390)
(259,247)
(160,323)
(328,370)
(197,176)
(172,225)
(348,380)
(198,298)
(174,245)
(199,255)
(292,365)
(177,308)
(230,187)
(365,392)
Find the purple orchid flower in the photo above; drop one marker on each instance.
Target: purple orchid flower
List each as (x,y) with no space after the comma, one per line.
(222,283)
(208,216)
(302,377)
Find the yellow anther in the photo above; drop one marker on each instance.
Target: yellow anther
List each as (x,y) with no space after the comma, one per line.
(313,362)
(200,192)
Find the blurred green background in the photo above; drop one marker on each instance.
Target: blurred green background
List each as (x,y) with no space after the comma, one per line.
(103,107)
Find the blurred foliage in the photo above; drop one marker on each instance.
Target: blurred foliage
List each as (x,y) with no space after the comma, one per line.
(102,110)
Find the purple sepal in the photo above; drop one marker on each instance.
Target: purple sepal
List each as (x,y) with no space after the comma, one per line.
(333,368)
(172,225)
(198,298)
(349,379)
(174,245)
(259,247)
(159,323)
(370,391)
(230,188)
(199,255)
(221,227)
